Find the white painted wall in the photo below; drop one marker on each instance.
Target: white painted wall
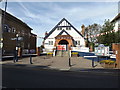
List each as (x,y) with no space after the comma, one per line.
(116,25)
(71,32)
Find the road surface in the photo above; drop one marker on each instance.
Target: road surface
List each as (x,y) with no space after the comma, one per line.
(28,77)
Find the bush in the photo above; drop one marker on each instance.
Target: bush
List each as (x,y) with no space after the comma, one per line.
(50,53)
(74,52)
(108,61)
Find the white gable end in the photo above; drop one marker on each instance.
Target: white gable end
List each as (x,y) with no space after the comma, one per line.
(64,23)
(63,28)
(64,33)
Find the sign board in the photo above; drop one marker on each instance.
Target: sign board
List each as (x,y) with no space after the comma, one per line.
(1,45)
(19,38)
(61,47)
(102,51)
(13,38)
(80,49)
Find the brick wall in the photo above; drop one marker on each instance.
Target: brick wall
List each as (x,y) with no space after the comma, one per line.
(116,49)
(16,26)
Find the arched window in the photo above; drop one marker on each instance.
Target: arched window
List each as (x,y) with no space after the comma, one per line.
(6,28)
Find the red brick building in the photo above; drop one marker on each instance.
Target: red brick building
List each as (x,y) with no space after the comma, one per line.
(13,29)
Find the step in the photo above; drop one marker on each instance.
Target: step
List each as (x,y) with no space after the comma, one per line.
(60,53)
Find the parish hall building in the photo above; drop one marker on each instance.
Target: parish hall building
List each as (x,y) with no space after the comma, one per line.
(62,37)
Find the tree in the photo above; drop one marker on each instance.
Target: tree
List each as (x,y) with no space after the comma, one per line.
(91,31)
(108,35)
(117,37)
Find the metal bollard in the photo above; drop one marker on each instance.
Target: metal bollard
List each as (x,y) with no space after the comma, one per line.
(93,63)
(14,60)
(69,62)
(31,59)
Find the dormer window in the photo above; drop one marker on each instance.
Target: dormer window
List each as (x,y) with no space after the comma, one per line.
(59,28)
(68,28)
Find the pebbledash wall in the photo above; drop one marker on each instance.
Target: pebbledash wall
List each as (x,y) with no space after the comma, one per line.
(11,27)
(63,31)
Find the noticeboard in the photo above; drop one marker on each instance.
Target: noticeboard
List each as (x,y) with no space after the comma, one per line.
(61,47)
(102,51)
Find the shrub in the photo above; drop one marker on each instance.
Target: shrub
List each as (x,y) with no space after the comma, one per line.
(50,53)
(74,52)
(107,61)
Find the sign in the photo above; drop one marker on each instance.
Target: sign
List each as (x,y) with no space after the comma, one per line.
(102,51)
(61,47)
(19,38)
(80,49)
(1,45)
(13,38)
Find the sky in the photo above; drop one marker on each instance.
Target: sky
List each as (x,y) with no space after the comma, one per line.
(43,16)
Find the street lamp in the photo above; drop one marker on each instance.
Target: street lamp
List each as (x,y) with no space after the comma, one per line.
(1,28)
(16,51)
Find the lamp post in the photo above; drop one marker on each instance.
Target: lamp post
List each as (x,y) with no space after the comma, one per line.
(1,38)
(2,22)
(17,47)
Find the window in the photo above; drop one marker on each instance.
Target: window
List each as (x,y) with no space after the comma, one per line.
(59,28)
(9,29)
(69,28)
(77,42)
(50,42)
(13,30)
(23,32)
(6,28)
(66,28)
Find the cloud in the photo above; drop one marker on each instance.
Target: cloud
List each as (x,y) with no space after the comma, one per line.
(44,16)
(64,0)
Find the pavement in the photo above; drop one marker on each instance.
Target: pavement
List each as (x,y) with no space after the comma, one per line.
(59,63)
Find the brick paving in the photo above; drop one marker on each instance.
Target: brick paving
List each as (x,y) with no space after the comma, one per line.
(61,63)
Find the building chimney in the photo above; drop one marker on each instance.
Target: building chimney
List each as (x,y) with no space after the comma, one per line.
(46,33)
(83,29)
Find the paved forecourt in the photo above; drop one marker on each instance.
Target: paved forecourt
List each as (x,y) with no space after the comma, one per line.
(61,63)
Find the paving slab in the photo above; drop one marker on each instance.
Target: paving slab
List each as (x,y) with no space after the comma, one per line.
(61,63)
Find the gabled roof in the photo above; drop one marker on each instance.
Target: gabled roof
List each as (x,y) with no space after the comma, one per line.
(57,26)
(14,18)
(116,18)
(63,32)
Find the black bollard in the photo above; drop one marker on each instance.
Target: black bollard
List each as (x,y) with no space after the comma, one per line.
(31,59)
(14,59)
(93,63)
(69,62)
